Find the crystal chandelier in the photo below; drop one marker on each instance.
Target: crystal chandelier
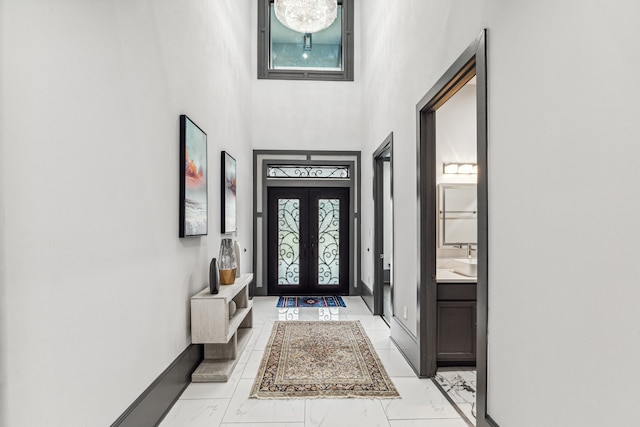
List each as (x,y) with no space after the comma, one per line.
(306,16)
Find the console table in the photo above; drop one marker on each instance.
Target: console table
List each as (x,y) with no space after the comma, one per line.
(224,338)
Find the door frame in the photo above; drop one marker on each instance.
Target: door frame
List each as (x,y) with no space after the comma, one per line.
(378,225)
(262,159)
(308,269)
(473,61)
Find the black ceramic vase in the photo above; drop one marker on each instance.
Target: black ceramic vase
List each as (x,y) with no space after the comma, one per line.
(214,278)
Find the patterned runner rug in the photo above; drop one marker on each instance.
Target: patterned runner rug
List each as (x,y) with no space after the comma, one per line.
(310,302)
(321,359)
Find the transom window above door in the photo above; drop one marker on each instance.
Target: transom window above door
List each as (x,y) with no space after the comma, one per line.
(287,54)
(340,172)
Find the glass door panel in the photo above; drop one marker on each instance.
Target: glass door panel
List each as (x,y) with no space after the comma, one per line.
(288,241)
(328,241)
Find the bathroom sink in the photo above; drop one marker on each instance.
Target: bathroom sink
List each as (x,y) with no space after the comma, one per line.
(466,266)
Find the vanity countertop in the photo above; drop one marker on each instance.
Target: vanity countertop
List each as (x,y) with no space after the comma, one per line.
(445,272)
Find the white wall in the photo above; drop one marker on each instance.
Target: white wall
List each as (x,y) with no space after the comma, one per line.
(96,291)
(306,115)
(399,54)
(3,268)
(563,205)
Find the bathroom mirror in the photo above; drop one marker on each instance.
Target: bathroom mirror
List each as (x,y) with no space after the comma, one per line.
(457,213)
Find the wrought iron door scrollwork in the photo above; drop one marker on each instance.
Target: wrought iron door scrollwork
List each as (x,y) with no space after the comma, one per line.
(328,241)
(311,172)
(288,241)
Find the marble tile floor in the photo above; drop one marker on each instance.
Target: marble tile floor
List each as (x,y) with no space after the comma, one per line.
(228,405)
(460,386)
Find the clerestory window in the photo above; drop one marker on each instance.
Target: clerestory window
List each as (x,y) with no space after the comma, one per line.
(286,54)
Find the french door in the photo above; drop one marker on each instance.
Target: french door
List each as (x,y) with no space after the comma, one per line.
(308,241)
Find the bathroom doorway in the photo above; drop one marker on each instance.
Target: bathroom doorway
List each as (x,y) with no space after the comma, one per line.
(456,249)
(383,229)
(472,316)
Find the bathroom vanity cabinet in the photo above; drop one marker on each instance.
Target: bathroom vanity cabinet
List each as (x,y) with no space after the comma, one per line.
(456,340)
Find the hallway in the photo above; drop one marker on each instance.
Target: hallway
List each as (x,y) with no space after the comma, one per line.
(95,282)
(227,404)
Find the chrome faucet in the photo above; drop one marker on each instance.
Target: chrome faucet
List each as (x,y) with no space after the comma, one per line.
(469,250)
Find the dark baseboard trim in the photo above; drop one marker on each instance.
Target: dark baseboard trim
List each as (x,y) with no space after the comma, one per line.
(367,297)
(491,422)
(260,291)
(407,343)
(156,401)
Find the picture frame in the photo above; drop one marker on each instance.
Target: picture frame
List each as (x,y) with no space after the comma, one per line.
(194,196)
(228,193)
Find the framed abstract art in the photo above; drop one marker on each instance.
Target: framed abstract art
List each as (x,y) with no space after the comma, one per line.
(228,192)
(194,210)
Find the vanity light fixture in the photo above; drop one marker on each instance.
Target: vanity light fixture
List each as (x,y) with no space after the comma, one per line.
(460,168)
(306,16)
